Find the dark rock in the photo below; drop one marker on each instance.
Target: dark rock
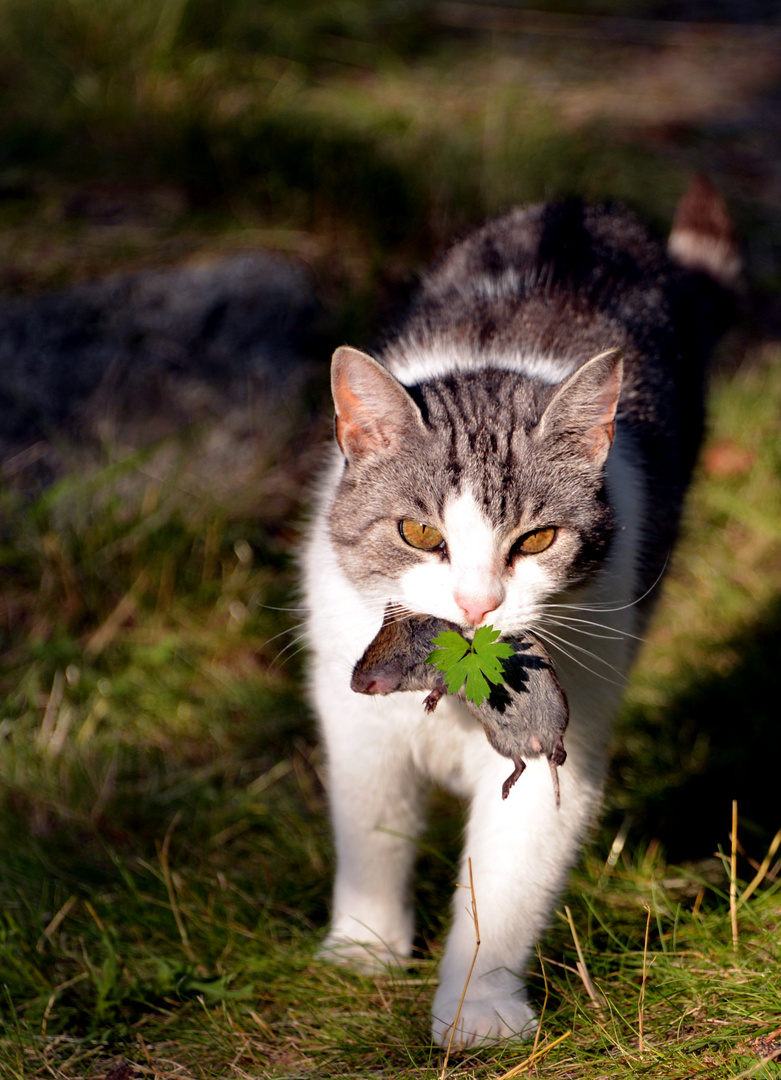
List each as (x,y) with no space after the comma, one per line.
(138,356)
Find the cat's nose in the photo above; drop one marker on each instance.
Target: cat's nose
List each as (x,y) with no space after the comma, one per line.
(475,608)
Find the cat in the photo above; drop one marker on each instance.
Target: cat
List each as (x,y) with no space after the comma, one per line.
(517,455)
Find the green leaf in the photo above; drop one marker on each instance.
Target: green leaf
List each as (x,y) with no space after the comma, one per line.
(452,644)
(471,665)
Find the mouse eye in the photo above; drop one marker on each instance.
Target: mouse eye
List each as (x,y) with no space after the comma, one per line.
(532,543)
(419,535)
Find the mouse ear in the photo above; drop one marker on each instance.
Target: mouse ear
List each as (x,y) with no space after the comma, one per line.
(374,412)
(583,409)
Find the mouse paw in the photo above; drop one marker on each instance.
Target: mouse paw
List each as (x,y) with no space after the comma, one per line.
(431,701)
(483,1021)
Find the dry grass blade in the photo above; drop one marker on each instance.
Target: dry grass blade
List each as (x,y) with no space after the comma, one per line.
(162,855)
(581,967)
(119,617)
(641,1006)
(469,973)
(733,877)
(535,1056)
(753,1069)
(55,922)
(758,878)
(544,1002)
(52,709)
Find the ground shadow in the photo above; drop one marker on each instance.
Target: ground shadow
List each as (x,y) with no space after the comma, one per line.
(719,741)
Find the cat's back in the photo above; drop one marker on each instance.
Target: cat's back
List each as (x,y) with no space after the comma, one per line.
(544,288)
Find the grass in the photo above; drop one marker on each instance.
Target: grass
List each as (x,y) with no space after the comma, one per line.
(698,717)
(361,135)
(165,859)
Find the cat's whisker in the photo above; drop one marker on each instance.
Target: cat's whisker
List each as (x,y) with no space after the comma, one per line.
(566,625)
(599,607)
(609,606)
(555,641)
(554,647)
(288,610)
(615,632)
(292,655)
(288,630)
(301,641)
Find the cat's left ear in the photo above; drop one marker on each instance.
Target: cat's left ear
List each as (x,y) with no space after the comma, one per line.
(583,409)
(374,413)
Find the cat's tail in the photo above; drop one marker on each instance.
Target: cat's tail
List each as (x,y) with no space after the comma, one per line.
(703,237)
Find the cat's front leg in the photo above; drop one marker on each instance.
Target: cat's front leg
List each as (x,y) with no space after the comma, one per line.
(521,850)
(376,802)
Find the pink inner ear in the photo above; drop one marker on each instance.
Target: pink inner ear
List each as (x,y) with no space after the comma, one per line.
(600,437)
(356,439)
(599,440)
(373,410)
(585,405)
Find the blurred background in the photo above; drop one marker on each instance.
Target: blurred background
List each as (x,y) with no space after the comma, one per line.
(199,200)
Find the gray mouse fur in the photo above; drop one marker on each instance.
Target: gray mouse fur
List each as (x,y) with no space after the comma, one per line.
(523,718)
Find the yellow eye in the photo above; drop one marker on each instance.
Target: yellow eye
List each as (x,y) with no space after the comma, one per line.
(419,535)
(535,542)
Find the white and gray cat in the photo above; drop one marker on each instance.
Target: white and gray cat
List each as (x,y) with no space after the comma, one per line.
(517,455)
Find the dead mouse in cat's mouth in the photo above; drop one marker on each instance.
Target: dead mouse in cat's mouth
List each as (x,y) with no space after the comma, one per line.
(523,718)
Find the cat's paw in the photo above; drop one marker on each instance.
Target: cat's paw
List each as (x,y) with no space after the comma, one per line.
(482,1021)
(368,958)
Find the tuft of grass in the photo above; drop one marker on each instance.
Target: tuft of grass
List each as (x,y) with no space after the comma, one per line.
(166,861)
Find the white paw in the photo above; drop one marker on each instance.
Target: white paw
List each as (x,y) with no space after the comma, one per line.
(483,1021)
(369,958)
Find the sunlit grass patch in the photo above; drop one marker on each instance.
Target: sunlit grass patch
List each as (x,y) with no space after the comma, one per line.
(201,970)
(166,857)
(144,634)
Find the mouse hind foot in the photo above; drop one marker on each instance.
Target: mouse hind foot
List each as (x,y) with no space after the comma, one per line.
(519,767)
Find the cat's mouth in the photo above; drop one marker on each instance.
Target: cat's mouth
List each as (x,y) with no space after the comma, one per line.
(494,620)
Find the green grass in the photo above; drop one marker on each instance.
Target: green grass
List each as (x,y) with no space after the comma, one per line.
(165,859)
(165,850)
(361,135)
(700,714)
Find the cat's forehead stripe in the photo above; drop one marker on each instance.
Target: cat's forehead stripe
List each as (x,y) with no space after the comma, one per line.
(475,422)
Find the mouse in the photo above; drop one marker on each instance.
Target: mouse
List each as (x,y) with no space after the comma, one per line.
(525,717)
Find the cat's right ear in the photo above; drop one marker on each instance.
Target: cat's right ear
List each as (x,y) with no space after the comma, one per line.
(582,412)
(374,413)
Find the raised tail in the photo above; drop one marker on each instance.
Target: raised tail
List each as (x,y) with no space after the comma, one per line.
(703,237)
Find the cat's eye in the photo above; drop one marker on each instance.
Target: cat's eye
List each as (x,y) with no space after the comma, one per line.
(419,535)
(534,542)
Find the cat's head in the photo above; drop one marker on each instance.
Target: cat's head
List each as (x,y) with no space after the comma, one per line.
(475,497)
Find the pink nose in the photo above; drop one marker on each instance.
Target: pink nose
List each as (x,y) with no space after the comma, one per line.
(477,607)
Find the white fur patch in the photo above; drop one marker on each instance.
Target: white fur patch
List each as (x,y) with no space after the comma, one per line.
(471,578)
(416,362)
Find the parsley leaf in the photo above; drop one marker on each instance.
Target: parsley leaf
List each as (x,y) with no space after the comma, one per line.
(472,665)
